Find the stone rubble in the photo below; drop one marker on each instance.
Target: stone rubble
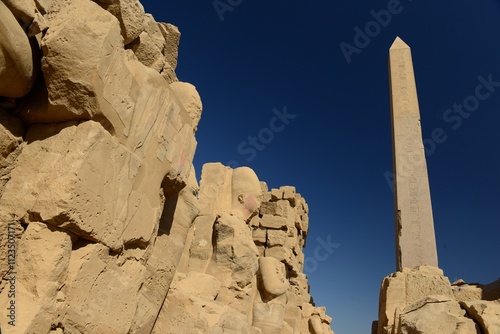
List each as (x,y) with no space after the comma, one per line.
(422,300)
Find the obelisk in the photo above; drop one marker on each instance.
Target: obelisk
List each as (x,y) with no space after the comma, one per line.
(414,224)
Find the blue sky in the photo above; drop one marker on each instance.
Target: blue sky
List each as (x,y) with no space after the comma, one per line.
(333,140)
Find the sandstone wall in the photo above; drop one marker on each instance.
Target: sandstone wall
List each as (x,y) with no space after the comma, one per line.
(103,227)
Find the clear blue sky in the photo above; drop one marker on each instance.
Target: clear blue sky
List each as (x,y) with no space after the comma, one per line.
(267,55)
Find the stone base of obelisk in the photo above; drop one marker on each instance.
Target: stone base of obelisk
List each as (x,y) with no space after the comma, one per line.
(423,301)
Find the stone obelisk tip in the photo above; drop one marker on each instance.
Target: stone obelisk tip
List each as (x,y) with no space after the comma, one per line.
(399,44)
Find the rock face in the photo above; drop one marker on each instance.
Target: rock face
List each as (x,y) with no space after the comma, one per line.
(422,300)
(103,226)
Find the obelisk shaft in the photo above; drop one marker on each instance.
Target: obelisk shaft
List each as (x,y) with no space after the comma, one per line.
(414,225)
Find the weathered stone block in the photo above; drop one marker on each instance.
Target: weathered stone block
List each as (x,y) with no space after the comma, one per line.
(436,314)
(289,194)
(172,37)
(276,238)
(130,14)
(276,194)
(260,236)
(236,252)
(280,253)
(268,317)
(273,222)
(485,313)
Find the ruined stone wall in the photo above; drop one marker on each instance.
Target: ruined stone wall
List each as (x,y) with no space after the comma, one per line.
(103,227)
(422,300)
(243,261)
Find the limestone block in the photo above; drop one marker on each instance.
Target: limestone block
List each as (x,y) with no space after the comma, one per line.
(237,298)
(268,317)
(276,194)
(485,313)
(467,292)
(286,210)
(254,223)
(17,70)
(392,300)
(404,288)
(269,208)
(293,315)
(201,249)
(62,179)
(81,34)
(425,281)
(277,238)
(266,196)
(436,314)
(148,47)
(289,194)
(300,203)
(215,189)
(307,310)
(100,291)
(471,292)
(198,284)
(235,250)
(273,276)
(259,236)
(172,37)
(180,313)
(130,14)
(279,208)
(281,254)
(245,190)
(43,256)
(233,322)
(190,100)
(273,222)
